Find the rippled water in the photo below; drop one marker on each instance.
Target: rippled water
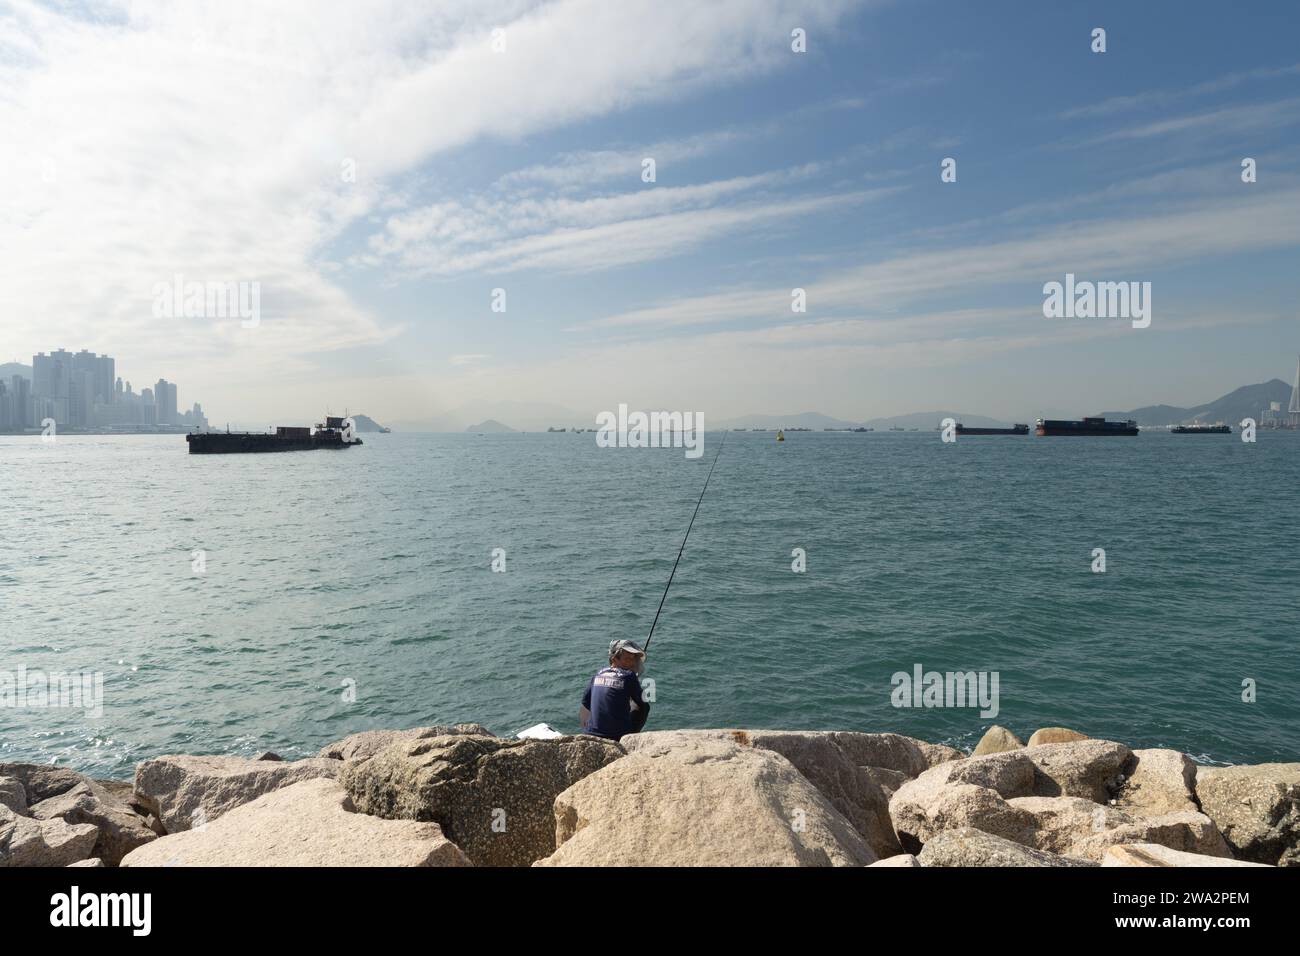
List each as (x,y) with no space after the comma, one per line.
(373,565)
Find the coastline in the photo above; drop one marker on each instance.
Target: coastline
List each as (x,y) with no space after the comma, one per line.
(457,795)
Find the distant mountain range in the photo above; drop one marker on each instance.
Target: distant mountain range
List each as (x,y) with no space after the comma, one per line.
(1246,402)
(817,421)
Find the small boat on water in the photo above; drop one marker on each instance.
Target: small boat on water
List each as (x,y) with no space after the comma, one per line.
(1219,429)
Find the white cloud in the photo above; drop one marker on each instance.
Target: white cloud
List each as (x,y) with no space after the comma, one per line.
(1121,247)
(151,139)
(509,233)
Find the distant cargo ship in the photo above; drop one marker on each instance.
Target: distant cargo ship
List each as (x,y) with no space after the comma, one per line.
(1202,429)
(334,433)
(1086,426)
(1013,430)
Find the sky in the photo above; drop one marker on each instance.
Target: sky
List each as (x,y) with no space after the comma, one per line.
(379,170)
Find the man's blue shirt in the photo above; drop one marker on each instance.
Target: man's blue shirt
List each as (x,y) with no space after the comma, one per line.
(609,697)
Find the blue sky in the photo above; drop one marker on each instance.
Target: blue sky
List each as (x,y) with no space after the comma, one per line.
(217,144)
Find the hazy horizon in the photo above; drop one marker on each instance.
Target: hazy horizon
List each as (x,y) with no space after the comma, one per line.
(410,161)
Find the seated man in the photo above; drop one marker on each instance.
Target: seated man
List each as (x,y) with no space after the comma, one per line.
(612,705)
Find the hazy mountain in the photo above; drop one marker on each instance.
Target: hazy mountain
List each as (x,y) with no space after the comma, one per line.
(9,369)
(365,423)
(527,416)
(489,427)
(1245,402)
(928,421)
(800,420)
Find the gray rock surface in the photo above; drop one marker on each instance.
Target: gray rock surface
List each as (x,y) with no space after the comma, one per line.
(493,797)
(1257,807)
(969,847)
(703,803)
(120,829)
(183,791)
(309,823)
(1152,854)
(367,743)
(25,841)
(41,781)
(1159,782)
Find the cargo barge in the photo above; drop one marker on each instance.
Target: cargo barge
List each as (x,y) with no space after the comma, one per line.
(1202,429)
(1086,426)
(333,433)
(1013,430)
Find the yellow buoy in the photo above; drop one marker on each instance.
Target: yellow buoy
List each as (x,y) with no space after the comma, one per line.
(780,435)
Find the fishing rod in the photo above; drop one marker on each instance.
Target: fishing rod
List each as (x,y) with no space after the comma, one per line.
(684,537)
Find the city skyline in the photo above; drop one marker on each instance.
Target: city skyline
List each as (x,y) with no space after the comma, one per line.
(82,391)
(646,197)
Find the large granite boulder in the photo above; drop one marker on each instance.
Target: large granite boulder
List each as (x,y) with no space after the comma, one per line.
(41,781)
(893,752)
(1061,822)
(1189,832)
(920,806)
(1159,782)
(25,841)
(1257,807)
(967,846)
(981,808)
(13,795)
(707,802)
(1093,769)
(822,757)
(903,859)
(1054,735)
(1152,854)
(492,796)
(183,792)
(1089,769)
(1075,826)
(367,743)
(309,823)
(120,829)
(997,740)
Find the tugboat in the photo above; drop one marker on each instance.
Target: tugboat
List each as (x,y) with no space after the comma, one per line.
(1219,429)
(334,432)
(1013,430)
(1086,426)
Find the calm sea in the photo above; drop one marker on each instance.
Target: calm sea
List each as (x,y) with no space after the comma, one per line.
(366,574)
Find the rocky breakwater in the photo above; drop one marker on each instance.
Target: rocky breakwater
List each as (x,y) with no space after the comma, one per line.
(458,796)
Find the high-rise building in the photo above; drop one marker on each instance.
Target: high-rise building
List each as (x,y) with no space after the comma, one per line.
(105,373)
(52,384)
(165,399)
